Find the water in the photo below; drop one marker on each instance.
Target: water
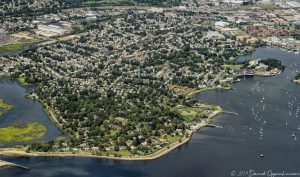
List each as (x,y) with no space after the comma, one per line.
(266,106)
(24,110)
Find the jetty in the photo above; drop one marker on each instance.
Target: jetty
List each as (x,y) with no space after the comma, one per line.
(213,126)
(5,164)
(228,112)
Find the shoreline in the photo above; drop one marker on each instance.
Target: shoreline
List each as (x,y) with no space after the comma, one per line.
(14,152)
(208,89)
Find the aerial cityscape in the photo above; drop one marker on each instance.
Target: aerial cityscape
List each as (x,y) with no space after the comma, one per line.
(159,88)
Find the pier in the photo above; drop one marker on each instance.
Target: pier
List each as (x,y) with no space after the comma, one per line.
(245,72)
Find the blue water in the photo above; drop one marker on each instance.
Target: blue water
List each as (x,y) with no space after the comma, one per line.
(24,110)
(212,152)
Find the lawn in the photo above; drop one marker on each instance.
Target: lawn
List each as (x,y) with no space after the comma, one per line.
(188,113)
(232,67)
(17,133)
(19,45)
(112,152)
(5,106)
(210,107)
(124,153)
(172,139)
(191,113)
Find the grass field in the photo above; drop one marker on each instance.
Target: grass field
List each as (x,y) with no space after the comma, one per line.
(15,46)
(188,113)
(210,107)
(172,139)
(28,132)
(5,106)
(232,67)
(191,113)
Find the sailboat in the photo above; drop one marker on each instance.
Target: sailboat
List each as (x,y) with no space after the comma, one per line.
(261,130)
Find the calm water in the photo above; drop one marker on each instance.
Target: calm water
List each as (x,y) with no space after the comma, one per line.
(24,110)
(264,104)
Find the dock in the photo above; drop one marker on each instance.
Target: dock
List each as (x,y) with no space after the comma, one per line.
(5,163)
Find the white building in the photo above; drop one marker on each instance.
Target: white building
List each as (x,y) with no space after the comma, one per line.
(50,30)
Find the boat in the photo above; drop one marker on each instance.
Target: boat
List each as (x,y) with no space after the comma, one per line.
(261,155)
(293,135)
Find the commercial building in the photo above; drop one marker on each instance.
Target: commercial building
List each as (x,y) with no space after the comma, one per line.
(50,30)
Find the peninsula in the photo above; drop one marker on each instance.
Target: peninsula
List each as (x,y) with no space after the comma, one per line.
(118,77)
